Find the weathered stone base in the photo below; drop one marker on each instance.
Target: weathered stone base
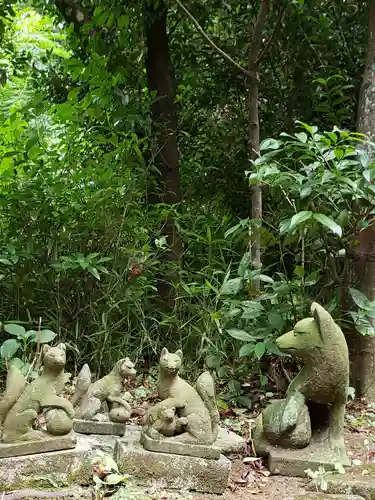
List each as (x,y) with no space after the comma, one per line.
(180,448)
(174,471)
(94,427)
(295,462)
(61,467)
(38,446)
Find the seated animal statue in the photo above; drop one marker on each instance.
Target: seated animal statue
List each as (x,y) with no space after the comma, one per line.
(106,398)
(323,380)
(195,406)
(22,404)
(162,421)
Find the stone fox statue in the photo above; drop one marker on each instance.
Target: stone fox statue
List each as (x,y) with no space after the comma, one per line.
(105,397)
(197,406)
(324,378)
(22,404)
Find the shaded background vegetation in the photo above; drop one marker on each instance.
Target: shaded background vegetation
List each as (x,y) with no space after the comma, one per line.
(110,257)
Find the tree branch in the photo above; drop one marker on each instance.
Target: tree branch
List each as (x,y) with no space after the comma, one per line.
(210,42)
(278,22)
(257,35)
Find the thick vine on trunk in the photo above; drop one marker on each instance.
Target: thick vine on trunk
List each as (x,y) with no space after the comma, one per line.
(164,124)
(362,258)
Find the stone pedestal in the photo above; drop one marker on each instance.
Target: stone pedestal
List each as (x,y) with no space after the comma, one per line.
(175,447)
(173,471)
(60,467)
(51,443)
(94,427)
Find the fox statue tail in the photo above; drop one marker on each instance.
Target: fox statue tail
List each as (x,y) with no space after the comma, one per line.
(15,385)
(82,385)
(206,389)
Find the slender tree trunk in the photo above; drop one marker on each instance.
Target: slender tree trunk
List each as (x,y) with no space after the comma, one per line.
(253,140)
(164,124)
(362,257)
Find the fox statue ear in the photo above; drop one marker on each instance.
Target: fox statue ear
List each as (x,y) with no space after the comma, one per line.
(46,348)
(164,352)
(323,319)
(179,354)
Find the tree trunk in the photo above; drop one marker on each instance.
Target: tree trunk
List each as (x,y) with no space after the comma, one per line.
(164,124)
(362,257)
(253,141)
(366,107)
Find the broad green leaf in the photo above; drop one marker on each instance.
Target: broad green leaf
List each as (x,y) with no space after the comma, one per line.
(270,144)
(240,335)
(361,300)
(299,271)
(305,192)
(123,22)
(18,363)
(244,264)
(260,349)
(231,287)
(312,129)
(9,348)
(328,222)
(299,218)
(116,479)
(246,350)
(275,320)
(251,309)
(13,329)
(339,153)
(4,261)
(45,336)
(302,137)
(265,278)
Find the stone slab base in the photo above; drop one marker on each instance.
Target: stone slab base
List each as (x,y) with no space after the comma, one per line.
(55,467)
(38,446)
(94,427)
(173,471)
(175,447)
(295,462)
(229,443)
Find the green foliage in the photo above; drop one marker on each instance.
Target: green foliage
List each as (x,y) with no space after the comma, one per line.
(25,342)
(81,245)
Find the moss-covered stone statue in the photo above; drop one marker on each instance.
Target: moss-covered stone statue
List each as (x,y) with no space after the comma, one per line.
(196,416)
(312,413)
(104,401)
(163,421)
(22,405)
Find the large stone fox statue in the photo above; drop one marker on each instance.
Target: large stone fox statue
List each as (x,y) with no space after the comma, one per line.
(324,378)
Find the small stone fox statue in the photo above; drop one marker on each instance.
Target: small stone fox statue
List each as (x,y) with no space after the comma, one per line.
(104,399)
(22,404)
(197,406)
(162,421)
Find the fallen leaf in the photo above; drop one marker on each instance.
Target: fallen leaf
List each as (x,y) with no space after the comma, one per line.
(241,482)
(264,472)
(247,460)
